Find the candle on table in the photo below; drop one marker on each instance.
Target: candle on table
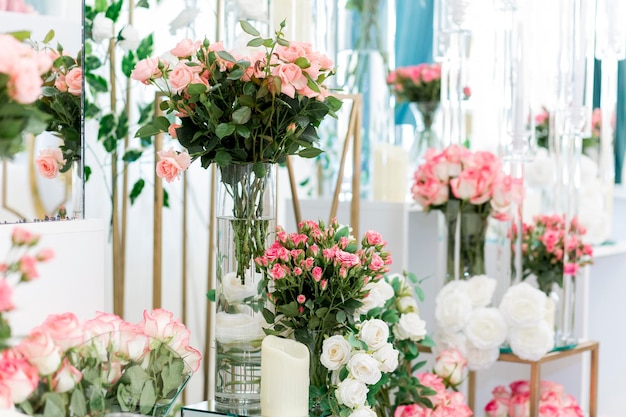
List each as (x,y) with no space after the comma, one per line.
(389,170)
(284,378)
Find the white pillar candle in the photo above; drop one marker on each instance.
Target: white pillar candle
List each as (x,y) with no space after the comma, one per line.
(390,173)
(284,378)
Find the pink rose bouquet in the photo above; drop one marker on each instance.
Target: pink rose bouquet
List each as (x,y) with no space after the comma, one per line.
(514,401)
(61,100)
(105,364)
(441,402)
(20,266)
(416,83)
(543,249)
(20,86)
(467,187)
(242,109)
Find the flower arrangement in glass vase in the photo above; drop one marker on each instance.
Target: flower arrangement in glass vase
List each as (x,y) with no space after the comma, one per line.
(543,250)
(20,86)
(361,326)
(514,401)
(20,266)
(468,188)
(420,87)
(61,99)
(70,368)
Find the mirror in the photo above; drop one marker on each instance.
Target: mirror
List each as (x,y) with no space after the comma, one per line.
(26,194)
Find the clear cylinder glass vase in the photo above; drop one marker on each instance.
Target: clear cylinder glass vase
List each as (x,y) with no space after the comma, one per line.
(466,230)
(426,137)
(78,189)
(246,222)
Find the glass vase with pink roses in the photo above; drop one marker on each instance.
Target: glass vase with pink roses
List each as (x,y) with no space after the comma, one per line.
(468,188)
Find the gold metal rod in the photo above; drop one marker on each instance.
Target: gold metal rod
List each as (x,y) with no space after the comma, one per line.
(593,381)
(294,192)
(210,285)
(183,271)
(157,226)
(355,206)
(471,390)
(118,251)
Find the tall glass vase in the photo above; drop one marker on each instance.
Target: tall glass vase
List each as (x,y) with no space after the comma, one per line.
(426,137)
(466,229)
(78,189)
(246,221)
(563,300)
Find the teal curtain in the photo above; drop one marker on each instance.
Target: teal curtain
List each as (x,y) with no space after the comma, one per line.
(414,41)
(620,122)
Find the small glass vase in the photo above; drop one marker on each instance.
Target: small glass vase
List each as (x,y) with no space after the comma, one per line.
(426,137)
(562,301)
(78,189)
(466,230)
(246,221)
(318,373)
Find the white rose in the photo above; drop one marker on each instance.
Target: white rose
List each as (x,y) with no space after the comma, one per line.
(480,289)
(458,285)
(539,173)
(385,290)
(351,393)
(387,357)
(364,368)
(364,411)
(335,352)
(373,300)
(480,358)
(102,28)
(374,333)
(449,340)
(486,328)
(452,310)
(523,305)
(531,343)
(238,328)
(129,38)
(407,304)
(234,291)
(410,326)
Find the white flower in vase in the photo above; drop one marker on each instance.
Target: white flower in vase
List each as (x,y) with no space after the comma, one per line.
(234,291)
(336,352)
(129,38)
(523,305)
(480,358)
(364,367)
(407,304)
(480,289)
(374,333)
(238,328)
(540,172)
(486,328)
(363,411)
(531,343)
(410,326)
(351,393)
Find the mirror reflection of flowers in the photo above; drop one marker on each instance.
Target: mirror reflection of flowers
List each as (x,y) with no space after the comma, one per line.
(544,249)
(20,266)
(61,99)
(20,86)
(542,131)
(419,83)
(514,401)
(102,365)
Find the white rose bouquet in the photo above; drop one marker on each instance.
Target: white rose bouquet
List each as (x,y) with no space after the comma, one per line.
(68,368)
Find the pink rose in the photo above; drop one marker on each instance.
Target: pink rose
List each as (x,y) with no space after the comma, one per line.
(429,191)
(519,405)
(20,237)
(374,238)
(470,185)
(180,77)
(146,69)
(317,274)
(49,161)
(60,84)
(291,78)
(5,397)
(501,392)
(301,299)
(348,260)
(65,330)
(133,342)
(66,377)
(432,381)
(74,80)
(185,48)
(277,272)
(498,407)
(158,324)
(40,351)
(172,164)
(18,375)
(450,365)
(28,267)
(572,411)
(25,83)
(172,130)
(6,296)
(192,357)
(376,263)
(549,410)
(292,52)
(45,255)
(520,387)
(570,268)
(111,372)
(411,410)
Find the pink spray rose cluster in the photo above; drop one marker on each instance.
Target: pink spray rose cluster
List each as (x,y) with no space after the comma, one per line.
(445,403)
(20,266)
(67,363)
(475,178)
(62,101)
(242,109)
(17,6)
(514,401)
(419,83)
(545,243)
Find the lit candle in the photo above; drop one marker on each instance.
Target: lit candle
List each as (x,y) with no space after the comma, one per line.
(284,378)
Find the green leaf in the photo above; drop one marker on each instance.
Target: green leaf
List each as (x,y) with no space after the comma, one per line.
(136,190)
(210,295)
(87,173)
(236,74)
(341,316)
(256,42)
(128,63)
(107,125)
(309,152)
(78,405)
(98,83)
(428,341)
(248,28)
(195,89)
(143,3)
(148,398)
(21,35)
(226,56)
(289,310)
(302,62)
(419,292)
(101,5)
(147,130)
(166,198)
(268,316)
(49,36)
(259,170)
(144,50)
(53,405)
(132,155)
(241,115)
(162,123)
(113,12)
(224,129)
(223,158)
(122,125)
